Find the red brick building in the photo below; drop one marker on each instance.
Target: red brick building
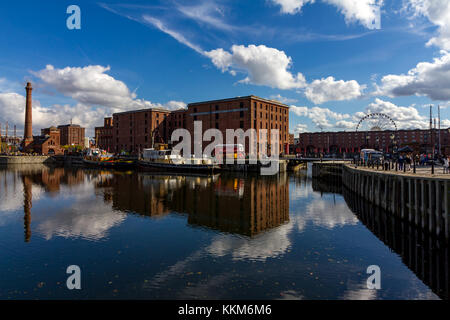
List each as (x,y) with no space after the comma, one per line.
(104,135)
(48,143)
(71,134)
(136,130)
(314,143)
(248,112)
(133,131)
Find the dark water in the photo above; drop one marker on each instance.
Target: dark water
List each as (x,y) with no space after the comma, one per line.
(137,235)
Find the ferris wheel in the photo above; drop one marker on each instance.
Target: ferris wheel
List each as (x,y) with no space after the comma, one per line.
(376,122)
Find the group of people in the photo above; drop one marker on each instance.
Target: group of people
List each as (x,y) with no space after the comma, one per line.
(405,161)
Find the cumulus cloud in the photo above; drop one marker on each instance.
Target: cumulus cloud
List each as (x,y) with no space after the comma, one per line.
(323,90)
(438,13)
(264,65)
(12,109)
(300,128)
(431,79)
(319,116)
(366,12)
(96,94)
(326,119)
(90,85)
(271,67)
(404,117)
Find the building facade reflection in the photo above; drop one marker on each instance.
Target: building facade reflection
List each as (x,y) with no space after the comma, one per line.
(243,205)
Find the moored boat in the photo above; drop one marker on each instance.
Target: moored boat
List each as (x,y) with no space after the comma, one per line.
(171,160)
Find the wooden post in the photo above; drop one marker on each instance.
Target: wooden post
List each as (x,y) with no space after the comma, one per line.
(438,201)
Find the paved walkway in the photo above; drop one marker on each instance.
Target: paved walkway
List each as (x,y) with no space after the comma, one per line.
(420,172)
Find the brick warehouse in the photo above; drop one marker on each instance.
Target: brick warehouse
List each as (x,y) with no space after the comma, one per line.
(136,130)
(133,131)
(248,112)
(71,134)
(313,143)
(104,135)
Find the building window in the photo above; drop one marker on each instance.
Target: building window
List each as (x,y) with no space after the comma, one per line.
(241,124)
(195,118)
(217,125)
(217,116)
(217,107)
(241,104)
(241,114)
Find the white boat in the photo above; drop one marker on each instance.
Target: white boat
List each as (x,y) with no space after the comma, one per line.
(171,160)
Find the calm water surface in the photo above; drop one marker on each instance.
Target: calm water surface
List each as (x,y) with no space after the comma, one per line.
(138,235)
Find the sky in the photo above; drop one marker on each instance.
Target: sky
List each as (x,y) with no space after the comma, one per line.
(331,61)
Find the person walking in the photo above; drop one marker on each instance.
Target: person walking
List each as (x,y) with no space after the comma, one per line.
(446,165)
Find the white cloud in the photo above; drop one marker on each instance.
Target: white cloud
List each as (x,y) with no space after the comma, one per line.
(207,12)
(173,33)
(300,128)
(292,6)
(270,67)
(404,117)
(323,90)
(279,97)
(346,125)
(12,109)
(90,85)
(366,12)
(96,96)
(173,105)
(438,13)
(431,79)
(319,116)
(264,65)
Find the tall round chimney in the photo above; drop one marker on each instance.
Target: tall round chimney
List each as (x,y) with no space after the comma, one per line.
(28,134)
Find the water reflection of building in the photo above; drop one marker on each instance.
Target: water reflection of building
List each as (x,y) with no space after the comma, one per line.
(230,204)
(264,204)
(424,254)
(50,179)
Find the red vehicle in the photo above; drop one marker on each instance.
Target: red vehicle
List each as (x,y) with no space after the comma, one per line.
(227,151)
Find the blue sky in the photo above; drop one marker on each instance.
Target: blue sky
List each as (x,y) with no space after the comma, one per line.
(324,58)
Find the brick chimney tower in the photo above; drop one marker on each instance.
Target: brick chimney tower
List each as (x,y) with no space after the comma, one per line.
(28,133)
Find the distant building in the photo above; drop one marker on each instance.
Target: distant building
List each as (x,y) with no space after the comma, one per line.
(72,134)
(48,143)
(104,135)
(314,143)
(140,129)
